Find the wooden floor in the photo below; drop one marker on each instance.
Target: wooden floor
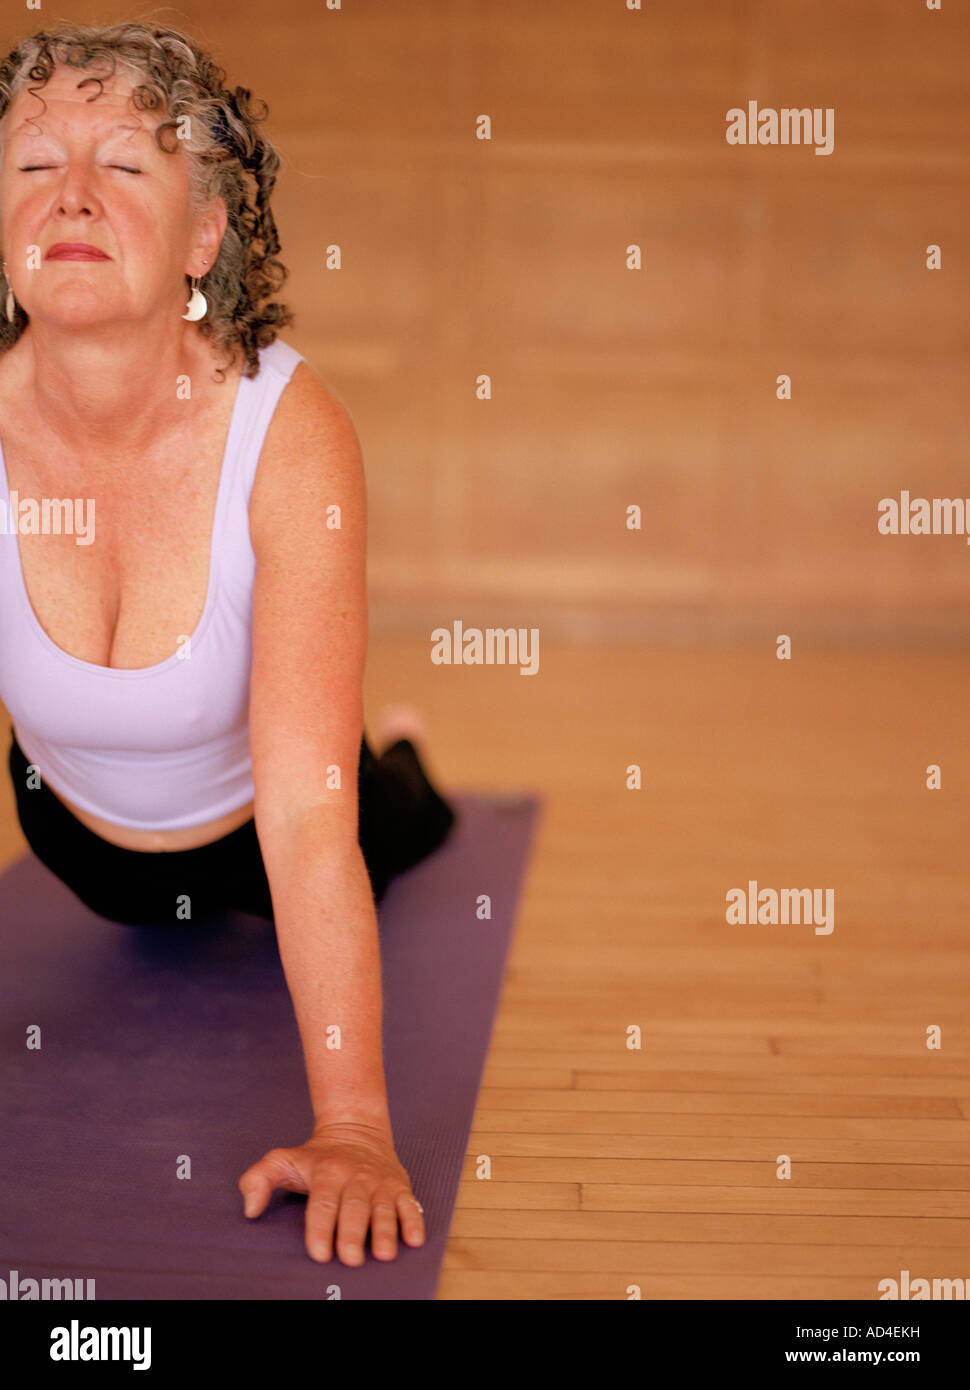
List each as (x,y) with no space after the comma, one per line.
(657,1167)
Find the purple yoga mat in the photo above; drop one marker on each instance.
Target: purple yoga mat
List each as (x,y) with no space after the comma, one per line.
(161,1042)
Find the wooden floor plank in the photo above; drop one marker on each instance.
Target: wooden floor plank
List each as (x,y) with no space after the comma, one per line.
(634,1259)
(871,1179)
(852,1086)
(753,1227)
(657,1167)
(553,1286)
(921,1074)
(784,1197)
(631,1136)
(654,1119)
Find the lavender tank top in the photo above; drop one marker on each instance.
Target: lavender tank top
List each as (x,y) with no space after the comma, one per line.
(162,747)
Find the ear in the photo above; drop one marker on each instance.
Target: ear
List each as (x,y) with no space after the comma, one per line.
(209,231)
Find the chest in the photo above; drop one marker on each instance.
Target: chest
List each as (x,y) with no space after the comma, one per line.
(116,560)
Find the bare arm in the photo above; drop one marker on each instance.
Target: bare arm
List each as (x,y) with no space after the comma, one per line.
(306,721)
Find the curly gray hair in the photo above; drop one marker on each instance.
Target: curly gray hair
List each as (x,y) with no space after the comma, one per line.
(227,158)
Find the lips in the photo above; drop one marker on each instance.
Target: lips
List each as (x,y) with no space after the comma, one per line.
(75,251)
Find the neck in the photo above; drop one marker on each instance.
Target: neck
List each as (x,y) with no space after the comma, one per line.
(114,389)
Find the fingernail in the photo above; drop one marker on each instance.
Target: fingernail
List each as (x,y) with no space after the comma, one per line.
(250,1204)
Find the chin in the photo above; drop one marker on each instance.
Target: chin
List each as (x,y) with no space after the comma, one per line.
(75,307)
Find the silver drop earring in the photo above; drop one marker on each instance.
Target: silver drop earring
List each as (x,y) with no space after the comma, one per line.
(197,305)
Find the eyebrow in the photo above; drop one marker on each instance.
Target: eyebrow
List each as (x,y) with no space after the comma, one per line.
(33,121)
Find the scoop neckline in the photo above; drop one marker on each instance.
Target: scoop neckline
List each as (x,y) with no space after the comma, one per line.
(131,672)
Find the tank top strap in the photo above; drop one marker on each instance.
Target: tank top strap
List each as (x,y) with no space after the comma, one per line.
(261,395)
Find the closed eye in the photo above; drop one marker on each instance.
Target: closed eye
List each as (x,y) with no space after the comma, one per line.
(30,168)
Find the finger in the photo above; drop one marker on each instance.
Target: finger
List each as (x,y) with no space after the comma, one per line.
(321,1216)
(352,1223)
(273,1170)
(256,1189)
(383,1225)
(411,1212)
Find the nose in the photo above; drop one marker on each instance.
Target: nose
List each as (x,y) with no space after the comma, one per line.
(75,195)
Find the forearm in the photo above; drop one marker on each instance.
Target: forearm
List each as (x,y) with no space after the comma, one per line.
(326,927)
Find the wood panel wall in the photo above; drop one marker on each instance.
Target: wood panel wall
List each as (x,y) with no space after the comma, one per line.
(612,386)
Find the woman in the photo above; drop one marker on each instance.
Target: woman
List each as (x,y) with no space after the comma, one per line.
(186,691)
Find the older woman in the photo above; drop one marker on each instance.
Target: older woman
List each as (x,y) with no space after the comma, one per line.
(186,690)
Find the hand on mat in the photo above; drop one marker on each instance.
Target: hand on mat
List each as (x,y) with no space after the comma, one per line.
(354,1180)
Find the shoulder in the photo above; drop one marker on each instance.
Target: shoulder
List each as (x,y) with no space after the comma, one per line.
(311,457)
(311,409)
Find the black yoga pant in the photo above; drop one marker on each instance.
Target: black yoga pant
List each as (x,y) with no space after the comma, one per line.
(402,818)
